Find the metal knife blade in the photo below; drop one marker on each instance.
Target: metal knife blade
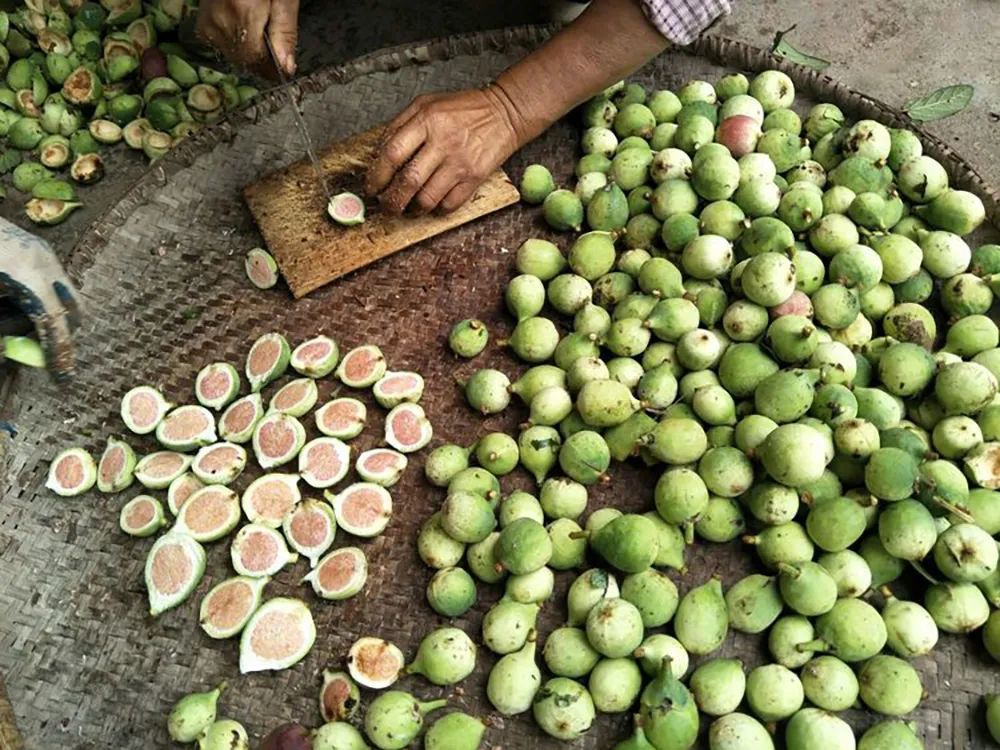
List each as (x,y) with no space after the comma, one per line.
(300,123)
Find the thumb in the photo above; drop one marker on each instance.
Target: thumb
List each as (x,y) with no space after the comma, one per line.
(283,29)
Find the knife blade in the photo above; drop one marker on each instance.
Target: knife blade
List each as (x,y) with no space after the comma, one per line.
(300,122)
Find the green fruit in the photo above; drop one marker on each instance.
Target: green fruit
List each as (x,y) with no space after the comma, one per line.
(563,210)
(445,657)
(668,712)
(774,692)
(536,184)
(653,594)
(451,592)
(456,731)
(890,685)
(514,680)
(813,729)
(523,547)
(753,604)
(628,543)
(568,653)
(736,731)
(468,338)
(829,684)
(507,625)
(702,619)
(563,709)
(891,735)
(394,719)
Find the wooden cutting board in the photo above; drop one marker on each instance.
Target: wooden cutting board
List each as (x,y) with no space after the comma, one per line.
(311,250)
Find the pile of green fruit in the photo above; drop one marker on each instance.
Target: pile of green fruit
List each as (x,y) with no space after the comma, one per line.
(756,309)
(81,75)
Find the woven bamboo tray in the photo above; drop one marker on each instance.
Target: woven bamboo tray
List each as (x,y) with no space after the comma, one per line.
(162,271)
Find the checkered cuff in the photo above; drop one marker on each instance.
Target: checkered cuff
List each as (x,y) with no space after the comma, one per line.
(681,21)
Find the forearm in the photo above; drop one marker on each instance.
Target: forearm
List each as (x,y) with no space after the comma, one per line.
(608,42)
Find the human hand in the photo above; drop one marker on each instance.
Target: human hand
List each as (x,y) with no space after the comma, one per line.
(236,28)
(33,279)
(441,147)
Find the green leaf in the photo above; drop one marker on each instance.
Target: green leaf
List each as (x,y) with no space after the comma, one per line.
(941,103)
(782,48)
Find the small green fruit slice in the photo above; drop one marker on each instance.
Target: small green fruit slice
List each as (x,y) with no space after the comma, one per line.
(181,489)
(342,418)
(316,358)
(346,209)
(277,439)
(209,514)
(142,516)
(174,567)
(239,420)
(72,473)
(157,470)
(220,463)
(143,408)
(217,385)
(395,388)
(267,360)
(186,428)
(269,499)
(261,268)
(324,461)
(295,398)
(259,550)
(278,636)
(228,607)
(381,466)
(22,350)
(116,469)
(310,528)
(407,428)
(375,663)
(362,367)
(339,575)
(363,509)
(339,698)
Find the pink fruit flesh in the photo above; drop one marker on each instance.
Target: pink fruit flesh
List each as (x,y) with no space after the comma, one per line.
(381,462)
(215,384)
(171,569)
(739,134)
(798,304)
(227,607)
(139,515)
(260,272)
(287,737)
(323,462)
(208,511)
(112,464)
(314,352)
(360,364)
(406,427)
(340,416)
(164,465)
(69,471)
(273,499)
(184,424)
(398,384)
(262,357)
(337,701)
(240,417)
(290,395)
(363,508)
(219,459)
(276,635)
(337,572)
(348,206)
(376,661)
(310,528)
(258,551)
(144,409)
(185,490)
(276,439)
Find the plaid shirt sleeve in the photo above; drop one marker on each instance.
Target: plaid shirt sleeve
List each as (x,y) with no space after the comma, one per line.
(681,21)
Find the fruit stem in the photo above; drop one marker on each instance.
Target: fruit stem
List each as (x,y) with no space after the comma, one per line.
(426,707)
(923,571)
(958,510)
(815,645)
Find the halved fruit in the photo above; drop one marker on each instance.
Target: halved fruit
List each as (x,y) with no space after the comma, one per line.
(72,473)
(339,698)
(259,550)
(228,607)
(278,636)
(316,358)
(239,420)
(394,388)
(261,268)
(381,466)
(310,529)
(174,567)
(157,470)
(375,663)
(186,428)
(143,408)
(220,463)
(296,397)
(142,516)
(277,439)
(217,385)
(210,513)
(116,469)
(346,209)
(339,575)
(181,489)
(363,509)
(407,428)
(267,360)
(324,461)
(362,367)
(271,498)
(342,418)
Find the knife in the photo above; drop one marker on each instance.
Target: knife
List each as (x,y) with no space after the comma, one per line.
(300,122)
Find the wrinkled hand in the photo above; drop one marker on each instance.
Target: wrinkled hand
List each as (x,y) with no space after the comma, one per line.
(31,276)
(236,28)
(440,149)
